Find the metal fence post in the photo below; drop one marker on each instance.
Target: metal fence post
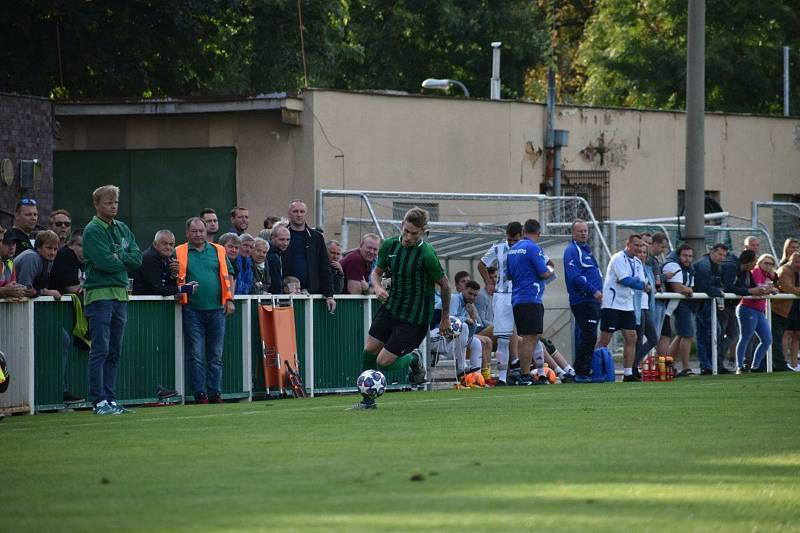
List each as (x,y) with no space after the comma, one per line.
(309,344)
(769,322)
(714,336)
(247,347)
(180,379)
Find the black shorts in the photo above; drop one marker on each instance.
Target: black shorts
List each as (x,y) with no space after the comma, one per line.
(615,320)
(398,336)
(793,322)
(666,329)
(529,319)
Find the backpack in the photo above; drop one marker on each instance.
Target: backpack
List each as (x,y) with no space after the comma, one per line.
(603,366)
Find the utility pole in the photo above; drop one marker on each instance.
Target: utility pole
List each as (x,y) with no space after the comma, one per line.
(785,81)
(695,128)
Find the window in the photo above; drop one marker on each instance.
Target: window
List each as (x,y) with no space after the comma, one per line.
(591,185)
(712,204)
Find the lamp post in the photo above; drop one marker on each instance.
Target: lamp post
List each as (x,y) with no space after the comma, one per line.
(443,85)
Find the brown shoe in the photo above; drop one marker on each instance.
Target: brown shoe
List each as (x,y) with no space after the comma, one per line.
(215,398)
(201,399)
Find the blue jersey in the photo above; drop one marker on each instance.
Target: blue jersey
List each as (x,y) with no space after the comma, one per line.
(525,264)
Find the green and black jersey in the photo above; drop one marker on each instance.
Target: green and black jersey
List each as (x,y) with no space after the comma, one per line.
(414,272)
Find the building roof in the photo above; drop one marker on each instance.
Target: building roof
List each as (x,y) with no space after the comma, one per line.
(176,106)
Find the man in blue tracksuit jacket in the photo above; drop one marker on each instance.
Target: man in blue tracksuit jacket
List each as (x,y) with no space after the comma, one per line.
(585,286)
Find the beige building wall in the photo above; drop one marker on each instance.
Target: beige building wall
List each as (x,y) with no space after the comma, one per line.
(426,143)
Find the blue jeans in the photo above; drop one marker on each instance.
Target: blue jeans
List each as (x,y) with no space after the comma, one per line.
(752,321)
(728,331)
(704,334)
(203,335)
(106,327)
(646,328)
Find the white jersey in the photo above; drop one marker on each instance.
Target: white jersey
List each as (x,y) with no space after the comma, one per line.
(672,267)
(496,257)
(615,294)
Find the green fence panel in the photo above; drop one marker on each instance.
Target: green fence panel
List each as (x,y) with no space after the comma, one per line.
(232,358)
(147,360)
(339,345)
(148,351)
(300,331)
(51,319)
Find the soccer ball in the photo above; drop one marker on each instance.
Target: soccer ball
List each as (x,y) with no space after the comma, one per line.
(455,325)
(371,383)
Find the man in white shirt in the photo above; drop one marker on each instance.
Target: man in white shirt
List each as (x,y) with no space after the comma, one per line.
(501,296)
(678,270)
(624,276)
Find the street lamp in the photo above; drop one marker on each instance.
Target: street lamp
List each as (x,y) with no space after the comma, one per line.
(443,85)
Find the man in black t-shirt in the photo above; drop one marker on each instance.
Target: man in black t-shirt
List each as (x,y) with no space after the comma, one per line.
(67,271)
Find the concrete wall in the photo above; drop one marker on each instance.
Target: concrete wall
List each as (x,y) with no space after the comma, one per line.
(26,132)
(438,144)
(424,143)
(270,161)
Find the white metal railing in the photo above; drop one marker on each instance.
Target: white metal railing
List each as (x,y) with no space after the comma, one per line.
(17,339)
(728,296)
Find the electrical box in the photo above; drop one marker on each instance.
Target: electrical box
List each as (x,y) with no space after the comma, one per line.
(30,173)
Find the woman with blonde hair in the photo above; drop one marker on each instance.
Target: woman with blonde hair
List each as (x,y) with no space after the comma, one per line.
(790,246)
(786,313)
(752,313)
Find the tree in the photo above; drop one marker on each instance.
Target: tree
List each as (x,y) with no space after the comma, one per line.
(82,49)
(634,54)
(399,43)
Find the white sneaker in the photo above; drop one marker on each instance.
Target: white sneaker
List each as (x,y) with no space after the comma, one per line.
(794,368)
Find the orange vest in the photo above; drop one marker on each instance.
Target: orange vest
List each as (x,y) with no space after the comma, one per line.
(182,254)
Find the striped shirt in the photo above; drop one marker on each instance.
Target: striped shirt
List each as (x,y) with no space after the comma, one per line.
(414,271)
(496,257)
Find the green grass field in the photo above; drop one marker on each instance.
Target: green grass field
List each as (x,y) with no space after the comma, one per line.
(698,454)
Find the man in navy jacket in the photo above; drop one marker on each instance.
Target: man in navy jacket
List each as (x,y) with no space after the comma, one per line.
(707,279)
(585,287)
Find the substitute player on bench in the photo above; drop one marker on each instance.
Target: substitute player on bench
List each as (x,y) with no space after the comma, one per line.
(402,321)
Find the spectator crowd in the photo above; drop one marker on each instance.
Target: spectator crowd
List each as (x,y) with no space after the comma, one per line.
(99,265)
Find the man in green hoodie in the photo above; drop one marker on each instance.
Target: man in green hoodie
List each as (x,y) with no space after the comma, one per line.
(110,251)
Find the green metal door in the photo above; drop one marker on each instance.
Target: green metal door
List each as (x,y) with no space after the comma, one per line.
(159,189)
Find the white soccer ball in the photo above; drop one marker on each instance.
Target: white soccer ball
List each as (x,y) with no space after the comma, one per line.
(371,383)
(455,325)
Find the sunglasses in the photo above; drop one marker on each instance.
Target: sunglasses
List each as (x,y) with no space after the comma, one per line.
(27,201)
(61,224)
(768,263)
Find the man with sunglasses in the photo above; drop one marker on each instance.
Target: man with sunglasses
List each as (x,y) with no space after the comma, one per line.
(61,224)
(26,215)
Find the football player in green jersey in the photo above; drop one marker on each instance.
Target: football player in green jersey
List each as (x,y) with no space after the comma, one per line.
(403,320)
